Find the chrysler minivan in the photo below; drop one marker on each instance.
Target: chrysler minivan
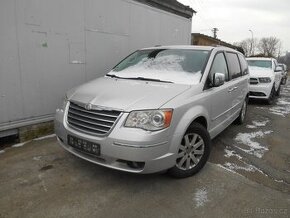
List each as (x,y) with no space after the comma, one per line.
(157,110)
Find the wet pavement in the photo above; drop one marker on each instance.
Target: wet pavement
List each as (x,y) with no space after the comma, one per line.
(248,175)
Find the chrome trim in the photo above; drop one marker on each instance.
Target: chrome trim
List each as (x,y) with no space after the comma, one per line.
(139,146)
(97,129)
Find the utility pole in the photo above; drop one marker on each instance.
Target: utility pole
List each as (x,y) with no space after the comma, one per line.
(215,30)
(252,43)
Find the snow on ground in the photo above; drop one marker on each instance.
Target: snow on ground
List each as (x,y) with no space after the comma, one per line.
(200,197)
(234,167)
(44,137)
(231,153)
(256,124)
(18,145)
(282,108)
(2,151)
(253,147)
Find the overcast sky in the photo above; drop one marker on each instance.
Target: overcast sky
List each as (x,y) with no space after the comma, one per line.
(234,18)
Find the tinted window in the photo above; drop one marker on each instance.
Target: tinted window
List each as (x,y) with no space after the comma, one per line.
(244,64)
(219,65)
(234,65)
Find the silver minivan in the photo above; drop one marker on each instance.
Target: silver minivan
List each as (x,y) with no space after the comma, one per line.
(156,110)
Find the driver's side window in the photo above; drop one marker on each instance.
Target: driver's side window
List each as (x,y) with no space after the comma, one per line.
(219,65)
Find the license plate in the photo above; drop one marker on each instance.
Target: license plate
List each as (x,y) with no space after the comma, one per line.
(84,145)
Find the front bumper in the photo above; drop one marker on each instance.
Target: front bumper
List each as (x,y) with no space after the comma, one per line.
(123,146)
(260,90)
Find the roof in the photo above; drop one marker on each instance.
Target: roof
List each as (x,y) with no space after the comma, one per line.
(171,6)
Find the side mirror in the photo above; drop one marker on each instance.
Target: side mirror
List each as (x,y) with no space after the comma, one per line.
(218,79)
(278,69)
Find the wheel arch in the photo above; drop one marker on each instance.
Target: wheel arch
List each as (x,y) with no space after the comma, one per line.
(197,114)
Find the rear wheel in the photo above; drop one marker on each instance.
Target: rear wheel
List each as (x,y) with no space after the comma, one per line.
(193,152)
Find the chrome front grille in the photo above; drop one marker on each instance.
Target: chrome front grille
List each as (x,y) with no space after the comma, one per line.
(95,122)
(254,81)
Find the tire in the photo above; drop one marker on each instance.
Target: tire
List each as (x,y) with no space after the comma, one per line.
(270,100)
(278,90)
(193,152)
(241,118)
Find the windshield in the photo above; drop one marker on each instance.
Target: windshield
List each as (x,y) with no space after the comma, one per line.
(181,66)
(260,63)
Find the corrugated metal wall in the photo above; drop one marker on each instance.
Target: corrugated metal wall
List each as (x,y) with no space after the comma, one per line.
(50,46)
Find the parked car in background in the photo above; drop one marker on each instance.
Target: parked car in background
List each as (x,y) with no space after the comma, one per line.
(284,73)
(265,78)
(157,110)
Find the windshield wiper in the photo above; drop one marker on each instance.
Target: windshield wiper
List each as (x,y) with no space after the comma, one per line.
(138,78)
(150,79)
(114,76)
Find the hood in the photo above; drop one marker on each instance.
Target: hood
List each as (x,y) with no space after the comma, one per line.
(126,95)
(261,72)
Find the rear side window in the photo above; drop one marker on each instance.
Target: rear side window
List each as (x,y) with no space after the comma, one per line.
(244,65)
(234,65)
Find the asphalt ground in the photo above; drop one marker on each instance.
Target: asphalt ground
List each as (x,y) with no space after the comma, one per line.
(248,175)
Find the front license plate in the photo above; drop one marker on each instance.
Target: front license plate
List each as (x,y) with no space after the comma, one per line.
(84,145)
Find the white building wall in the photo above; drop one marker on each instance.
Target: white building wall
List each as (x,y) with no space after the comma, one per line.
(48,47)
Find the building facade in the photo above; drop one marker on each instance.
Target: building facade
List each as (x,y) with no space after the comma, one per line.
(48,47)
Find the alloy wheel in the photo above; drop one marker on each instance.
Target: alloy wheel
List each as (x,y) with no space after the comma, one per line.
(190,151)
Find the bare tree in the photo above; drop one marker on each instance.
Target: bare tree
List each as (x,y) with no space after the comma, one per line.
(248,45)
(245,45)
(269,46)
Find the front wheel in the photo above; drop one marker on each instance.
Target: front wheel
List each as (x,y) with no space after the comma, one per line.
(193,152)
(270,100)
(278,91)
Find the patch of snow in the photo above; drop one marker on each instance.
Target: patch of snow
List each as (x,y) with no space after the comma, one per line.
(254,147)
(256,124)
(251,127)
(247,167)
(282,108)
(18,145)
(279,110)
(230,153)
(227,169)
(260,123)
(200,197)
(37,158)
(166,67)
(260,108)
(283,101)
(2,151)
(44,137)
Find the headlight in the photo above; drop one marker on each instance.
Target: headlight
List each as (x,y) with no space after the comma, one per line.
(264,79)
(149,119)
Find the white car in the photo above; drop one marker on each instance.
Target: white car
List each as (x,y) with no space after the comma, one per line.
(284,73)
(265,78)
